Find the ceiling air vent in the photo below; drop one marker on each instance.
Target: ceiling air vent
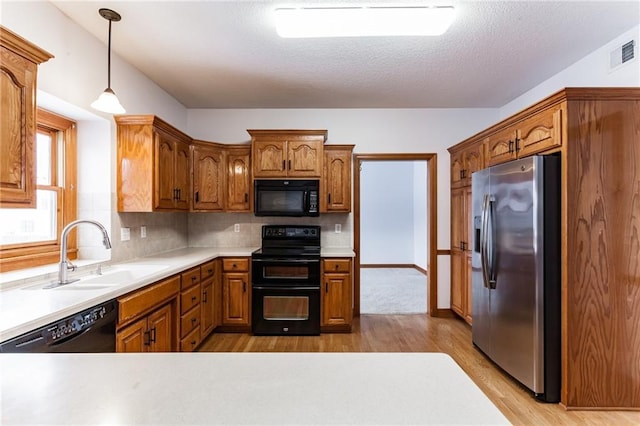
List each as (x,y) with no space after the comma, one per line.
(622,54)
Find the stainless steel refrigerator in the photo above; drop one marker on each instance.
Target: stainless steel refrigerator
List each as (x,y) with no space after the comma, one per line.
(516,270)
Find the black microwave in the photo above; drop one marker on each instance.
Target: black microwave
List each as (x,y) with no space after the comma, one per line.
(286,197)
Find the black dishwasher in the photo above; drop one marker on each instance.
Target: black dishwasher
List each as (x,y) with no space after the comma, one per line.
(92,330)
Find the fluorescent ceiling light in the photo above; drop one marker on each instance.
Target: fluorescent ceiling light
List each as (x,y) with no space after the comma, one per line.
(363,21)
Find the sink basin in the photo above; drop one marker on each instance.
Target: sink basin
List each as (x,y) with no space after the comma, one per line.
(112,276)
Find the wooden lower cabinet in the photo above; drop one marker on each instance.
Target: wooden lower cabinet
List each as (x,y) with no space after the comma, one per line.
(336,295)
(211,298)
(236,293)
(151,333)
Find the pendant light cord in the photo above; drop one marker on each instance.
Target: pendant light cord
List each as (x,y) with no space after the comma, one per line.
(109,58)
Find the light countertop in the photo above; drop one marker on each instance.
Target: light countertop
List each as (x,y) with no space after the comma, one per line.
(241,388)
(26,307)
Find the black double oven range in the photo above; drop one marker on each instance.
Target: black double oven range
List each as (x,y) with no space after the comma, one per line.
(285,276)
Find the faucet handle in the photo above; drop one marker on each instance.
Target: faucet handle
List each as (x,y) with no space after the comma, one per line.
(70,266)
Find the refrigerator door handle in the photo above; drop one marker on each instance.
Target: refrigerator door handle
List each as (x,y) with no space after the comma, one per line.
(491,243)
(483,241)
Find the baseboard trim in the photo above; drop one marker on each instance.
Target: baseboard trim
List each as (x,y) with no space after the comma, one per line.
(394,265)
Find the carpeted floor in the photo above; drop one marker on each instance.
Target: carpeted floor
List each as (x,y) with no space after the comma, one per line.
(392,291)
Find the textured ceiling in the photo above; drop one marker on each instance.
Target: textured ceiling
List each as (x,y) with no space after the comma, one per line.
(226,54)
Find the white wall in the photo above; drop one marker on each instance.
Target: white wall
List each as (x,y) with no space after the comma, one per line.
(386,212)
(590,71)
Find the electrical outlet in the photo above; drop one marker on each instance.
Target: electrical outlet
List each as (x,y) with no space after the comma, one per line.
(143,231)
(338,228)
(125,234)
(236,227)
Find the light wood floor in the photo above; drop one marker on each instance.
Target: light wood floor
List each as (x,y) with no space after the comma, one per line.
(419,333)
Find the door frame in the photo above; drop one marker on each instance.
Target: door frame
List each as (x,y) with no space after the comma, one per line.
(432,224)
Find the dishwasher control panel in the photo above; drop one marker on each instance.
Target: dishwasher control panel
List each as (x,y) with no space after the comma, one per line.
(85,331)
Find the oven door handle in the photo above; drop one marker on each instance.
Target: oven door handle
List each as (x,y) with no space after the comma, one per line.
(286,260)
(258,287)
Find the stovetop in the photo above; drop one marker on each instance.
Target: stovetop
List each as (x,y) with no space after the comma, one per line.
(289,241)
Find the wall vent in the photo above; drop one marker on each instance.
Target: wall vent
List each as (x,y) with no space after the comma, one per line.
(622,54)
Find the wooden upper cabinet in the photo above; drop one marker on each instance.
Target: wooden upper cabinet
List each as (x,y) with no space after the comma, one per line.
(540,132)
(239,179)
(336,182)
(287,153)
(465,161)
(209,177)
(19,61)
(153,172)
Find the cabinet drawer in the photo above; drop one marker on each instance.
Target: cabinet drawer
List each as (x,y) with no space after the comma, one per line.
(337,265)
(189,321)
(189,343)
(190,277)
(235,265)
(139,302)
(207,270)
(189,298)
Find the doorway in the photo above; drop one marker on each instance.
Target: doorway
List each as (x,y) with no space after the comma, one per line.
(431,219)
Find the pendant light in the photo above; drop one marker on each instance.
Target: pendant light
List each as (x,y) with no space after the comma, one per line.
(107,101)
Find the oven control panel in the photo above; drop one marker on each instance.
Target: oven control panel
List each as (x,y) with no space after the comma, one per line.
(294,232)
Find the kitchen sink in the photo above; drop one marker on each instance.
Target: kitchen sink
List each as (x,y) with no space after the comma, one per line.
(111,276)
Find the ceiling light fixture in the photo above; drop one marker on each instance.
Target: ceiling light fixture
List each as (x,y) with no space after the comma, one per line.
(107,101)
(363,21)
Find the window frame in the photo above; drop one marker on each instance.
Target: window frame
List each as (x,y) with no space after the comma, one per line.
(64,183)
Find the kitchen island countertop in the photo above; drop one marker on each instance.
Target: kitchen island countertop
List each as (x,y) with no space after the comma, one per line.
(241,388)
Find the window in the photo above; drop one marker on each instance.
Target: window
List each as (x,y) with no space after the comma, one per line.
(30,237)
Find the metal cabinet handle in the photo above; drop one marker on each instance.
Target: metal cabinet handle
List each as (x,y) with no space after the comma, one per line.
(326,287)
(517,144)
(329,198)
(284,164)
(197,196)
(204,296)
(289,164)
(193,321)
(244,287)
(246,197)
(193,298)
(153,335)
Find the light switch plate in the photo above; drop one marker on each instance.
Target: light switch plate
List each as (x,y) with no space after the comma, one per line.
(236,227)
(143,231)
(125,234)
(338,228)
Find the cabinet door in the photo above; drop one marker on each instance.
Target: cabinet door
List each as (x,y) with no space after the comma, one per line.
(239,181)
(336,299)
(269,159)
(160,330)
(336,186)
(133,338)
(473,160)
(458,293)
(235,299)
(457,169)
(165,193)
(304,158)
(208,178)
(181,175)
(540,132)
(468,306)
(457,218)
(501,146)
(207,323)
(17,131)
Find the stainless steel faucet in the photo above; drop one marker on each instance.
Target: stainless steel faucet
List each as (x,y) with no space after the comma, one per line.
(65,264)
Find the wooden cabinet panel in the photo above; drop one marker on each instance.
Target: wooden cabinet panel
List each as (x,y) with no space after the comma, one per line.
(209,173)
(336,181)
(269,158)
(208,313)
(141,301)
(235,298)
(287,153)
(336,296)
(191,342)
(18,77)
(541,132)
(153,171)
(239,180)
(235,264)
(190,320)
(457,168)
(304,158)
(501,146)
(190,277)
(461,233)
(152,333)
(160,324)
(190,298)
(458,293)
(133,338)
(208,269)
